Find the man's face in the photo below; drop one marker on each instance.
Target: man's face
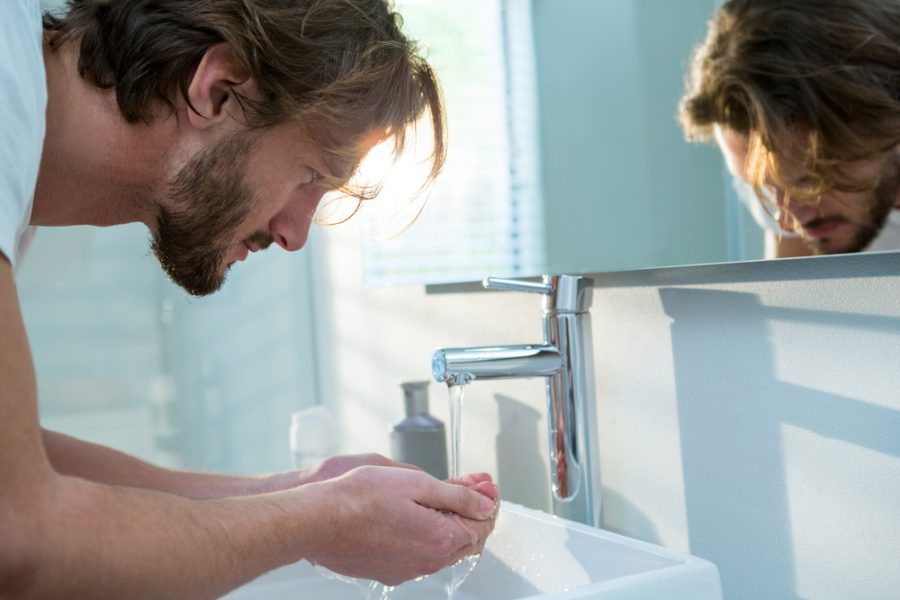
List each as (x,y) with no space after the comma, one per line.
(836,221)
(238,196)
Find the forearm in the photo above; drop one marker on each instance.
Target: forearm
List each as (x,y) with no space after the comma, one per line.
(67,537)
(83,539)
(71,456)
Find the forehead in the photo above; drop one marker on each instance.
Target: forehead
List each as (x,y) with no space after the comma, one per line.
(735,149)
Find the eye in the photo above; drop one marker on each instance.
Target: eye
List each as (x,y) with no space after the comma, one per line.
(316,177)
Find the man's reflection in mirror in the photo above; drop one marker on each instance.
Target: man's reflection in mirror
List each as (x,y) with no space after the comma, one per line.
(803,99)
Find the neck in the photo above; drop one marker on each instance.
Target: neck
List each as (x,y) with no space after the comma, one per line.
(96,168)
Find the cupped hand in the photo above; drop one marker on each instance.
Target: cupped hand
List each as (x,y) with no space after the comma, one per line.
(336,466)
(331,467)
(393,524)
(481,483)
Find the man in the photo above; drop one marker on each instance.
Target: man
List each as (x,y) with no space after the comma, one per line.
(803,99)
(219,124)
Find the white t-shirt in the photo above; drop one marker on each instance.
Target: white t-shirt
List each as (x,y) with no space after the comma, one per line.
(888,238)
(23,101)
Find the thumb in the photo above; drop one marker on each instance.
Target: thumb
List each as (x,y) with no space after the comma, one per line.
(457,499)
(487,488)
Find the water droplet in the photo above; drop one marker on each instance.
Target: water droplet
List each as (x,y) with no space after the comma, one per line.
(459,572)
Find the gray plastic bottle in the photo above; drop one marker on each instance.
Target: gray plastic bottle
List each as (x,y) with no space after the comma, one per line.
(419,438)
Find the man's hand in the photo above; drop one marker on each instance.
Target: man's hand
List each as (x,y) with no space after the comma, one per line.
(393,524)
(481,483)
(331,467)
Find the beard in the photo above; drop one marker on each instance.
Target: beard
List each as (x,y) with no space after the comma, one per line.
(209,201)
(881,203)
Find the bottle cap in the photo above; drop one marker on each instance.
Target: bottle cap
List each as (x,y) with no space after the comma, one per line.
(415,397)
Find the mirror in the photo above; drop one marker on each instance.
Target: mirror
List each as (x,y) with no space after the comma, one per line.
(622,188)
(619,187)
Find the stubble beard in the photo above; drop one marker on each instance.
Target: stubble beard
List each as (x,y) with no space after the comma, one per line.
(208,200)
(882,201)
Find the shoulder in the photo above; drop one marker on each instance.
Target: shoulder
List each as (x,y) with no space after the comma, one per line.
(21,19)
(22,42)
(23,96)
(889,238)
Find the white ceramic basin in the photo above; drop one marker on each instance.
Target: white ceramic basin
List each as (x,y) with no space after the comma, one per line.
(531,555)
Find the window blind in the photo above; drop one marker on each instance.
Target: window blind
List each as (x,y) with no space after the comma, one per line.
(483,215)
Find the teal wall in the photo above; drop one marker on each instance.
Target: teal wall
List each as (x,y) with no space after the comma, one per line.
(127,359)
(622,189)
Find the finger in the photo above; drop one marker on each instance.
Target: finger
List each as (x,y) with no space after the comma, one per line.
(481,483)
(467,550)
(471,479)
(476,534)
(487,488)
(456,499)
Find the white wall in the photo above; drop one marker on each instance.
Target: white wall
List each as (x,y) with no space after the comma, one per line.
(748,413)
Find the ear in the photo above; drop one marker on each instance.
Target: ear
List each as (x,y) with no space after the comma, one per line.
(211,98)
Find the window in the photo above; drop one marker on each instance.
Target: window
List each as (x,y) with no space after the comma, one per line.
(483,216)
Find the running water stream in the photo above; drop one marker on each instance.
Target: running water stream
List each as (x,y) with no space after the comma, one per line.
(459,571)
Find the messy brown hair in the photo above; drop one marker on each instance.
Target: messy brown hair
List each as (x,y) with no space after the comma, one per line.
(812,83)
(326,65)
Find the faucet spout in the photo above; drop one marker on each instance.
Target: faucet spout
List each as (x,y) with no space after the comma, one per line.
(460,365)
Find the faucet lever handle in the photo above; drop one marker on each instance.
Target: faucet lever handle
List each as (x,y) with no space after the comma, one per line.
(517,285)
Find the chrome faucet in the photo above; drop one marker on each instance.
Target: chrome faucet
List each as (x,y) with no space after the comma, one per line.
(565,359)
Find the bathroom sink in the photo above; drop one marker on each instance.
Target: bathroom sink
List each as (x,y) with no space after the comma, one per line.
(530,555)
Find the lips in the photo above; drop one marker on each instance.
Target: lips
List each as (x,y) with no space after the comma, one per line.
(823,227)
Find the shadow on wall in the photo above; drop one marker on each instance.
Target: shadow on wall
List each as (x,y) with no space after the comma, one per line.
(733,411)
(618,509)
(524,477)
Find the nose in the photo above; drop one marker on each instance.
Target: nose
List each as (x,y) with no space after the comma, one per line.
(799,208)
(290,226)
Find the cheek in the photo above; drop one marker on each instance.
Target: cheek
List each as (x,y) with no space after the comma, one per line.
(857,207)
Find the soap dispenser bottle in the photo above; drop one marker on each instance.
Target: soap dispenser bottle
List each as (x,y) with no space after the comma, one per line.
(419,438)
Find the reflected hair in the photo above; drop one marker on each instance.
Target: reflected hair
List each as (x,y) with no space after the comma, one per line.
(811,84)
